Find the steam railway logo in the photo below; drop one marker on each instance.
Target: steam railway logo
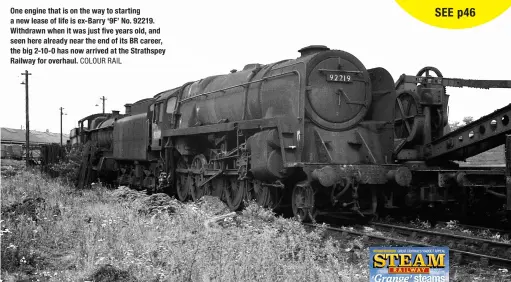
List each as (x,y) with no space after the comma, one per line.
(409,264)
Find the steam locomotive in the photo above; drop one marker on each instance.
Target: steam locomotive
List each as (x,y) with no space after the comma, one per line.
(319,134)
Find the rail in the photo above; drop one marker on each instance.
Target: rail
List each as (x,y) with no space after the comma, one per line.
(477,229)
(414,232)
(460,256)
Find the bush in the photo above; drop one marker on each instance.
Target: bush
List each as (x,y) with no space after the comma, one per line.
(69,168)
(53,232)
(97,234)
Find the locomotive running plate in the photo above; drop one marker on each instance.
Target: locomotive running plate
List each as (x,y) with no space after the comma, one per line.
(339,77)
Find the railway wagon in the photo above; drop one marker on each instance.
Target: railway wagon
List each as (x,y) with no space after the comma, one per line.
(12,151)
(442,180)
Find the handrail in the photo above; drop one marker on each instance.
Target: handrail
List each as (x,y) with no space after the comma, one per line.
(239,85)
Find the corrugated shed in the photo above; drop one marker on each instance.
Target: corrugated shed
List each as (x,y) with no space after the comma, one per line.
(17,136)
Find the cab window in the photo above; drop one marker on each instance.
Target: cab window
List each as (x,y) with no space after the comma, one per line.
(156,113)
(160,119)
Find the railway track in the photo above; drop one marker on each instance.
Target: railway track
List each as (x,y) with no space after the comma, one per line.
(463,249)
(476,229)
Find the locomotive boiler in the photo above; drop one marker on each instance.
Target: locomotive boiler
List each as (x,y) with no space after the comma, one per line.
(312,135)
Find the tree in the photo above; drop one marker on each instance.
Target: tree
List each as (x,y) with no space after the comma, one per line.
(454,125)
(468,119)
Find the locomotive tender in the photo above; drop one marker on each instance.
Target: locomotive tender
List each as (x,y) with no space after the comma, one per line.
(315,134)
(319,134)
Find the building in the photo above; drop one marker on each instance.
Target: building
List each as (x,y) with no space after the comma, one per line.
(13,141)
(17,136)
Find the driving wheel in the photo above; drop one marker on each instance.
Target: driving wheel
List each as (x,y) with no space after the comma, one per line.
(198,166)
(302,202)
(235,193)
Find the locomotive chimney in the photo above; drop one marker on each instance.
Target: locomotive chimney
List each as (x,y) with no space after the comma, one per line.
(128,109)
(115,113)
(309,50)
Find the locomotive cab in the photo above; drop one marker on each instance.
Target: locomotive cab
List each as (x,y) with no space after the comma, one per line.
(162,115)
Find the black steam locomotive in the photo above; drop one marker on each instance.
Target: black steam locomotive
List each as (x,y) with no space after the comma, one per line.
(319,134)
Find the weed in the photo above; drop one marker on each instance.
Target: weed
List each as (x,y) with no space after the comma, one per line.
(121,235)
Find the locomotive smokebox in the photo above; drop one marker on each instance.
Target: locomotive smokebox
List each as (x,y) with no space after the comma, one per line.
(312,49)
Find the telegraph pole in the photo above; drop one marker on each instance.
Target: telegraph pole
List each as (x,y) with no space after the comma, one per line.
(61,114)
(26,74)
(103,98)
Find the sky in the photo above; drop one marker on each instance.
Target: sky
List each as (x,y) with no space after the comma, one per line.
(204,38)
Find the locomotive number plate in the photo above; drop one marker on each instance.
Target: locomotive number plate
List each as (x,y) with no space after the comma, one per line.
(339,77)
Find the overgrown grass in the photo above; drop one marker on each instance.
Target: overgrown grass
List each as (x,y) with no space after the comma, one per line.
(53,232)
(75,235)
